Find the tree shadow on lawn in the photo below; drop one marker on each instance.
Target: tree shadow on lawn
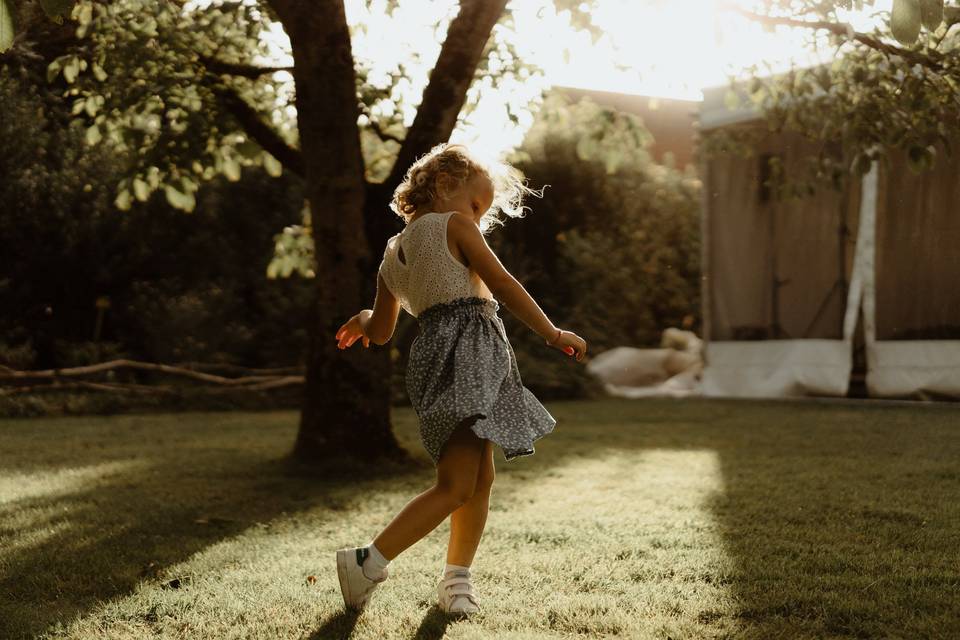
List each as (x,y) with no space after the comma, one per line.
(100,505)
(841,519)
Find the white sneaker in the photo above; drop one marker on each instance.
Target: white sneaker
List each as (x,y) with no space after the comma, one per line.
(355,586)
(455,595)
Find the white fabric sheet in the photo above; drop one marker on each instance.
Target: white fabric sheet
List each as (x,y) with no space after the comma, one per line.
(777,368)
(913,368)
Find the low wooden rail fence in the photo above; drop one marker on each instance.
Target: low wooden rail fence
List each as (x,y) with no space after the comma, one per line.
(243,378)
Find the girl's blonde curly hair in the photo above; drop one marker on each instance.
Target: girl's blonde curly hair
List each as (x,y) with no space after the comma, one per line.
(448,167)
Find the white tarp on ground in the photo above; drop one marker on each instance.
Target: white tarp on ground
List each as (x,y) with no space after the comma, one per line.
(777,368)
(913,368)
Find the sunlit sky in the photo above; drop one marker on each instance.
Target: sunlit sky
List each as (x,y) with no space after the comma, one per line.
(660,48)
(676,48)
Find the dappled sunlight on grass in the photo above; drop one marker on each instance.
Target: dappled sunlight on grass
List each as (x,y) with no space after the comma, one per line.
(616,543)
(590,546)
(18,486)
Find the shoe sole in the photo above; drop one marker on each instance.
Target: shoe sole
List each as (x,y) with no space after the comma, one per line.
(342,559)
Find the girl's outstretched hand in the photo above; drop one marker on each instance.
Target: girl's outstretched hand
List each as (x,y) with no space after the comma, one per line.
(570,343)
(352,330)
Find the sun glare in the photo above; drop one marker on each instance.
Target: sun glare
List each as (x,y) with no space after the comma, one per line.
(656,48)
(675,49)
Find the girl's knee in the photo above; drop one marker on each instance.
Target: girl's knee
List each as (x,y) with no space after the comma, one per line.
(455,493)
(485,481)
(487,472)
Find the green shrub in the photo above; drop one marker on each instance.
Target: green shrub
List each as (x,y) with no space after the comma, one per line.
(612,250)
(179,286)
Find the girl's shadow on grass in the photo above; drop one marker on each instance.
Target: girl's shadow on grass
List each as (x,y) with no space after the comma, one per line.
(434,624)
(340,625)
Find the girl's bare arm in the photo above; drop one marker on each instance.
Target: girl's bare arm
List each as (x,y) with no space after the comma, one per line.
(503,285)
(382,321)
(372,325)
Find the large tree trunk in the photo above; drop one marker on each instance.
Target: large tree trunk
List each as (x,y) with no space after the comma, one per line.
(346,409)
(346,406)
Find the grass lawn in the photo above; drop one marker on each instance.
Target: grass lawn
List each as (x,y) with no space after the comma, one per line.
(634,519)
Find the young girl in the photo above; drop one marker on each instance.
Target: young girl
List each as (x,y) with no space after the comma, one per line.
(462,374)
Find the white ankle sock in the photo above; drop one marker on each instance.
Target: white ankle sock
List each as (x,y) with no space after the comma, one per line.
(375,563)
(452,569)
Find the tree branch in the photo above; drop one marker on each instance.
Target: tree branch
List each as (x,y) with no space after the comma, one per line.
(260,131)
(377,129)
(243,70)
(451,77)
(931,60)
(383,135)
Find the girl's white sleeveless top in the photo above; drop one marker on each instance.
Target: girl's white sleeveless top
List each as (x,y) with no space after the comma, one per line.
(428,274)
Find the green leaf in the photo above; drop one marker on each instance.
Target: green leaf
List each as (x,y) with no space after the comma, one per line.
(905,20)
(611,162)
(85,14)
(123,200)
(93,135)
(179,200)
(92,104)
(141,189)
(53,69)
(273,269)
(99,73)
(287,264)
(57,10)
(153,177)
(7,27)
(584,148)
(231,169)
(189,186)
(931,13)
(150,27)
(272,165)
(71,69)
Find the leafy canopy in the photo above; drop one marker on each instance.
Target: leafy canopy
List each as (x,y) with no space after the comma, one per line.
(894,89)
(177,85)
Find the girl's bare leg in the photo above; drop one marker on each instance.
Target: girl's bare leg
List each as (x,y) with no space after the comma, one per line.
(467,522)
(457,472)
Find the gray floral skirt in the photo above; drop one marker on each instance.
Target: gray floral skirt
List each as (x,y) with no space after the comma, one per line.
(462,366)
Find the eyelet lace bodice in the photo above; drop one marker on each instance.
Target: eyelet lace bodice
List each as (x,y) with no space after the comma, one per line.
(428,274)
